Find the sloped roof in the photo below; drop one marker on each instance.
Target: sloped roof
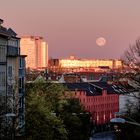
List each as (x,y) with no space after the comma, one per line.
(95,88)
(7,32)
(90,89)
(11,32)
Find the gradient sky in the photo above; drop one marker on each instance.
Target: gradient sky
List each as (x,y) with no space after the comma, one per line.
(71,26)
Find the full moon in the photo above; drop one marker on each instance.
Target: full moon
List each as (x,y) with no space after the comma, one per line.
(101,41)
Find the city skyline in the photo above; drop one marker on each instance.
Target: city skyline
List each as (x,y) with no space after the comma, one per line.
(72,27)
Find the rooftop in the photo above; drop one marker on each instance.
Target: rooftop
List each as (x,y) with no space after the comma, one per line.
(95,88)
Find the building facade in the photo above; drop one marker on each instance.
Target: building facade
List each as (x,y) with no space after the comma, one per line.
(73,64)
(98,98)
(129,102)
(10,95)
(36,50)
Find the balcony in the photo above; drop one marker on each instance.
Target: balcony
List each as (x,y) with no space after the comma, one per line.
(12,51)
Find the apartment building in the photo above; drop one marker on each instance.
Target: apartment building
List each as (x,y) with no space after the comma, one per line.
(12,78)
(73,64)
(98,98)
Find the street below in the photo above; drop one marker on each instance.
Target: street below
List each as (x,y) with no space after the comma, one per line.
(104,136)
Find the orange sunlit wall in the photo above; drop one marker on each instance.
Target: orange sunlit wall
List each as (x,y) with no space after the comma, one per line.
(76,63)
(36,50)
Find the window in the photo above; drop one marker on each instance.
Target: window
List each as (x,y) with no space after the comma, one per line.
(13,43)
(2,53)
(10,89)
(21,102)
(21,82)
(10,71)
(20,121)
(20,63)
(91,77)
(2,79)
(84,100)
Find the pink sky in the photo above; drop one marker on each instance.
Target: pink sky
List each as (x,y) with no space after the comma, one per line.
(71,26)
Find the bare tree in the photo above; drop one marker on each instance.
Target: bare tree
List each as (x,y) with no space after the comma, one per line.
(131,59)
(9,112)
(131,56)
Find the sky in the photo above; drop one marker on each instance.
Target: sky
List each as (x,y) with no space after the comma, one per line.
(71,27)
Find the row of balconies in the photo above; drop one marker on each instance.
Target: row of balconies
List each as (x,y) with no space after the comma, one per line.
(12,51)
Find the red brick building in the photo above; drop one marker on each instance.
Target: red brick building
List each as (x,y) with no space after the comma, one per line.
(99,98)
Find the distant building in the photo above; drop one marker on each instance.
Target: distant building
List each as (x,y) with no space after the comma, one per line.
(77,78)
(98,98)
(36,50)
(91,75)
(128,97)
(73,64)
(12,78)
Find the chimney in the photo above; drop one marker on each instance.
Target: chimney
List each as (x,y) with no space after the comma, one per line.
(1,21)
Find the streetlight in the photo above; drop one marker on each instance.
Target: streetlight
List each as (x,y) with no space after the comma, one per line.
(10,116)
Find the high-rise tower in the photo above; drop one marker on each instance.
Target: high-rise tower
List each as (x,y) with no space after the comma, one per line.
(36,50)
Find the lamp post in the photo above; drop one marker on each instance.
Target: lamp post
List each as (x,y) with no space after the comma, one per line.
(9,117)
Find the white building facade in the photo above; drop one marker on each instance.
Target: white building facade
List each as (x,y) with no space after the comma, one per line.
(128,103)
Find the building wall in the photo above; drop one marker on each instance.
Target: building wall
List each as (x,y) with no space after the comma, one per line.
(9,76)
(2,80)
(3,85)
(84,65)
(128,103)
(3,49)
(21,91)
(16,84)
(91,75)
(44,55)
(12,72)
(27,47)
(94,63)
(101,107)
